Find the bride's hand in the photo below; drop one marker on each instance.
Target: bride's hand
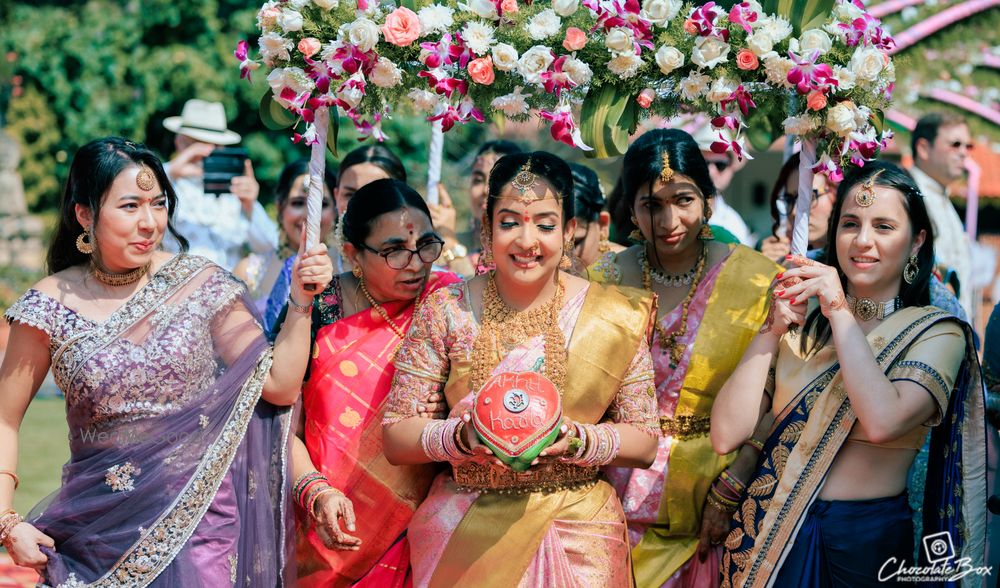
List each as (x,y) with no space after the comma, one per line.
(23,546)
(330,508)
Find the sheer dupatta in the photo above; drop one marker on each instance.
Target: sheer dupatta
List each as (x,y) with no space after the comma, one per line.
(177,473)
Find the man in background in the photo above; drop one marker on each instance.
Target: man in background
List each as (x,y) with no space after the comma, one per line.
(222,227)
(940,144)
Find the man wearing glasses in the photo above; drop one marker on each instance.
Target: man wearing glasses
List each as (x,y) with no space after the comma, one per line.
(940,144)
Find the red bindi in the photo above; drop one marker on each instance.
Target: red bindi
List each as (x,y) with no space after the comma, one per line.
(409,226)
(527,218)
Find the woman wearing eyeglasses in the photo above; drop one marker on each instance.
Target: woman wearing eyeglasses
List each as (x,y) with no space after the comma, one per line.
(783,197)
(360,320)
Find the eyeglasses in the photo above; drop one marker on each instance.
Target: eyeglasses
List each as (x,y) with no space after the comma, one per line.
(959,144)
(400,257)
(791,198)
(720,165)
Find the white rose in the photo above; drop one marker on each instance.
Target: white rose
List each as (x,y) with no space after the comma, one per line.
(435,19)
(625,65)
(660,12)
(840,119)
(669,59)
(866,63)
(761,44)
(533,62)
(578,71)
(352,95)
(363,34)
(620,40)
(512,104)
(544,25)
(274,47)
(565,8)
(709,52)
(290,21)
(504,57)
(478,36)
(800,125)
(481,8)
(777,68)
(327,4)
(385,74)
(694,85)
(292,78)
(423,100)
(845,78)
(720,90)
(815,40)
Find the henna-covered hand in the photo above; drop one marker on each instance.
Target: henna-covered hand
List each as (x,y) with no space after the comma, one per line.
(816,279)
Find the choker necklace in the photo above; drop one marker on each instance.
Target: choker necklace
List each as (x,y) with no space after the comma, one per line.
(668,280)
(668,342)
(867,309)
(129,277)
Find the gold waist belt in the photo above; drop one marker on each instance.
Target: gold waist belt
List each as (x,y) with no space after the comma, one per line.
(685,426)
(550,477)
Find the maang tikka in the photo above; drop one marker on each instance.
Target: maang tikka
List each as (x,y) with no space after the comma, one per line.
(865,197)
(667,173)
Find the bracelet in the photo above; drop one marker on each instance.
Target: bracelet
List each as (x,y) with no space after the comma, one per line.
(300,308)
(8,520)
(17,481)
(601,444)
(714,503)
(714,493)
(438,440)
(463,447)
(757,445)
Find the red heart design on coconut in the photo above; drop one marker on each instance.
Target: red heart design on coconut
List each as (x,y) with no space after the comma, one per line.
(517,414)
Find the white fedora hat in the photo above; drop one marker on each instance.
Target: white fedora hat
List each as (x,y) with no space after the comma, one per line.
(203,121)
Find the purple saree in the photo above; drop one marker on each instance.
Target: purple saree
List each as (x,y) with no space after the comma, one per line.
(177,475)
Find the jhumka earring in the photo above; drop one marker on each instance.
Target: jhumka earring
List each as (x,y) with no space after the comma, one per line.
(636,234)
(706,234)
(357,272)
(486,240)
(566,262)
(911,270)
(85,243)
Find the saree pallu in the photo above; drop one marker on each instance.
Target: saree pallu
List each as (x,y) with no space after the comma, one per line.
(343,404)
(810,431)
(177,472)
(664,503)
(573,533)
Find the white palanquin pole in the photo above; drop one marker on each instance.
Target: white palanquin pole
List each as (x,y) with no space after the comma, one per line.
(434,156)
(317,178)
(800,231)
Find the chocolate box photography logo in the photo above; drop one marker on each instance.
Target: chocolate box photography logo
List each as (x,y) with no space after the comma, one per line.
(943,565)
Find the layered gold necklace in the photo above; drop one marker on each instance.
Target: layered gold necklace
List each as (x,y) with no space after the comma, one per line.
(668,342)
(503,328)
(124,279)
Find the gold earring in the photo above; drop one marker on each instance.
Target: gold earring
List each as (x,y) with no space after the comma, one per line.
(486,240)
(604,245)
(566,263)
(706,234)
(84,243)
(636,234)
(357,272)
(911,270)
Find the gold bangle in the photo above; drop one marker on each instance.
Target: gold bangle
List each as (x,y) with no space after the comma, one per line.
(17,481)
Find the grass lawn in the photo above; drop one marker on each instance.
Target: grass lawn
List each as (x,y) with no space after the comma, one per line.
(43,450)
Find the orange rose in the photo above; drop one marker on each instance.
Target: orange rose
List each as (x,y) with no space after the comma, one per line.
(645,98)
(691,27)
(309,46)
(575,39)
(816,100)
(401,27)
(746,59)
(481,70)
(508,6)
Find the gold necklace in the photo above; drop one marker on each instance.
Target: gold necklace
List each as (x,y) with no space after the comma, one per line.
(503,328)
(385,315)
(123,279)
(669,342)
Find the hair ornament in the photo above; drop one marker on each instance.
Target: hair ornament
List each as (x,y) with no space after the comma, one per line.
(145,179)
(865,197)
(667,173)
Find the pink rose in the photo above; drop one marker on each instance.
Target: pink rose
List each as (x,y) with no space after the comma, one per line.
(401,27)
(508,6)
(269,16)
(816,100)
(746,59)
(691,27)
(575,39)
(309,46)
(481,70)
(646,97)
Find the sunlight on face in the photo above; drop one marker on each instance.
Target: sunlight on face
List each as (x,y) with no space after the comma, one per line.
(528,236)
(131,223)
(407,228)
(670,215)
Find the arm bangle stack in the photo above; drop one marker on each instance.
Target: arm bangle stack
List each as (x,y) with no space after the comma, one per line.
(8,520)
(439,440)
(600,445)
